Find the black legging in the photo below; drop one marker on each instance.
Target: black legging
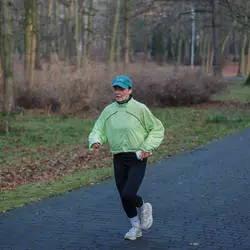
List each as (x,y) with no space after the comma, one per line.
(129,173)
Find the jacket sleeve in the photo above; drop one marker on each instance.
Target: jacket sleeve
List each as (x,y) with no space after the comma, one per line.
(98,134)
(155,131)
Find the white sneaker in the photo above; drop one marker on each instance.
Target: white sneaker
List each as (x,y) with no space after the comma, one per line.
(146,216)
(133,234)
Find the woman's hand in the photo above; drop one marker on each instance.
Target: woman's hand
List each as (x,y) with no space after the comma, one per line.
(96,145)
(145,155)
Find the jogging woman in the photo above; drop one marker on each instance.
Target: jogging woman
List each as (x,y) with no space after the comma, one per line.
(133,133)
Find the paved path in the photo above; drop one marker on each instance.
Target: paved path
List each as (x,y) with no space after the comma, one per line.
(201,200)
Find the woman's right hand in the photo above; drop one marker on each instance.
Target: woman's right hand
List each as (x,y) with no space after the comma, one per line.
(96,145)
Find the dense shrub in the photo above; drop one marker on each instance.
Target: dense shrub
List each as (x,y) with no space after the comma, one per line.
(65,90)
(157,90)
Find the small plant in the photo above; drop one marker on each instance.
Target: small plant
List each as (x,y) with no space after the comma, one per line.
(217,119)
(220,118)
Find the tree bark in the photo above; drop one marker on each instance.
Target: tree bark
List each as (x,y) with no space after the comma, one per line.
(243,57)
(179,55)
(145,45)
(127,32)
(248,59)
(205,45)
(241,67)
(89,31)
(38,37)
(77,35)
(216,47)
(114,38)
(62,38)
(118,48)
(227,37)
(209,56)
(247,82)
(30,46)
(7,55)
(58,26)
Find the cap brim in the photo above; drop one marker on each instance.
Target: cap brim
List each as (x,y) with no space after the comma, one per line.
(120,84)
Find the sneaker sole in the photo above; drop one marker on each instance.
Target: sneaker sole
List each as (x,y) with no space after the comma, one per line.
(134,238)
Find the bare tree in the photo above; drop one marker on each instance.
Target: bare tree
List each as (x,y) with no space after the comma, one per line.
(7,54)
(127,31)
(30,39)
(115,35)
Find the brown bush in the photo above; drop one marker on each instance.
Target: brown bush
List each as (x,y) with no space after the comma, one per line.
(71,91)
(173,86)
(187,89)
(63,88)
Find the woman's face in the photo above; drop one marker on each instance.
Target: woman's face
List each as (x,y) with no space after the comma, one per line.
(121,94)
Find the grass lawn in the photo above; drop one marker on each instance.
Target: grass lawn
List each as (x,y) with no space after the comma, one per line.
(46,156)
(237,92)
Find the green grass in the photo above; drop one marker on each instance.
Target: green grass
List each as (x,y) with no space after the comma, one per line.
(236,92)
(35,192)
(31,134)
(185,129)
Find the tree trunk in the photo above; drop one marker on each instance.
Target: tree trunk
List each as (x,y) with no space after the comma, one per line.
(58,26)
(247,82)
(236,49)
(72,38)
(127,31)
(77,36)
(85,39)
(62,38)
(241,67)
(179,55)
(248,59)
(28,29)
(216,47)
(66,36)
(205,44)
(114,38)
(145,59)
(243,56)
(7,55)
(83,22)
(118,48)
(209,56)
(38,37)
(89,31)
(49,23)
(0,63)
(227,37)
(31,15)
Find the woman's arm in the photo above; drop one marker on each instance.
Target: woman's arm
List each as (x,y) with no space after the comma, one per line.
(155,131)
(97,135)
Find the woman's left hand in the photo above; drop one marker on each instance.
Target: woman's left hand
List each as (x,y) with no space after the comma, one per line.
(145,155)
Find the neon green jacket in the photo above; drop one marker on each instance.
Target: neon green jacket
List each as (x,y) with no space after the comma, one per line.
(127,127)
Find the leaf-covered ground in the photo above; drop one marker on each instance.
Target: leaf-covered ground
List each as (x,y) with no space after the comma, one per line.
(42,148)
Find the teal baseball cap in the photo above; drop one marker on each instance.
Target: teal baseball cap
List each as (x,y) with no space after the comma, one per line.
(122,81)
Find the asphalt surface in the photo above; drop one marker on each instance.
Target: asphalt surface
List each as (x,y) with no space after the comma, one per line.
(201,200)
